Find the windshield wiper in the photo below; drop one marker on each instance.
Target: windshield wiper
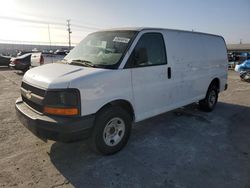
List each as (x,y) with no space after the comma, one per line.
(82,62)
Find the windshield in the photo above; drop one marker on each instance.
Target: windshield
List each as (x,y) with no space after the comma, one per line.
(101,49)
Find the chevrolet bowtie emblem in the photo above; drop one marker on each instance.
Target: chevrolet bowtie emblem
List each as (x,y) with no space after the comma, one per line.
(28,94)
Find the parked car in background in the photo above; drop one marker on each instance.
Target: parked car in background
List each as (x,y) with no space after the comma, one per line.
(36,59)
(46,51)
(245,76)
(21,63)
(240,56)
(231,64)
(60,52)
(20,53)
(52,58)
(27,61)
(230,57)
(245,66)
(4,60)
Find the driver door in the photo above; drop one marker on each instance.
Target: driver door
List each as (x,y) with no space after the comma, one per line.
(151,76)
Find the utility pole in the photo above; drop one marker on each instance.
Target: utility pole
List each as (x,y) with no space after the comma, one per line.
(49,41)
(69,31)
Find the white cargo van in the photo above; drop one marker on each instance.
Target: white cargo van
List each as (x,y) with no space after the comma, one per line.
(119,76)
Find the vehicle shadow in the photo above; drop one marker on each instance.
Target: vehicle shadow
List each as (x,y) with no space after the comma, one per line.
(169,150)
(7,69)
(20,73)
(4,68)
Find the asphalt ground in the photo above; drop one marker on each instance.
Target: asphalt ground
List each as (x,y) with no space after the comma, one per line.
(182,148)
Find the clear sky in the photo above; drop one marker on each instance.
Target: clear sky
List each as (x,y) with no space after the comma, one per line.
(27,20)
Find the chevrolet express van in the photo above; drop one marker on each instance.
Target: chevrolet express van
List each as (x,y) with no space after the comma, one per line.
(119,76)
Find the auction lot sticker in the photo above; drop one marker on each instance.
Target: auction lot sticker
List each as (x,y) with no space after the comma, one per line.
(121,39)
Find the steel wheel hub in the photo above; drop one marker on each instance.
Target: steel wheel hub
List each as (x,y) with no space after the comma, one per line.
(114,131)
(212,98)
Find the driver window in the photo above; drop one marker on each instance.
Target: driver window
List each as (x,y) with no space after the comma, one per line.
(150,50)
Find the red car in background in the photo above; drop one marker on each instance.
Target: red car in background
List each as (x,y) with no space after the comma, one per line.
(24,62)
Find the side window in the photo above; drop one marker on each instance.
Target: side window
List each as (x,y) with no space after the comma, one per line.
(149,50)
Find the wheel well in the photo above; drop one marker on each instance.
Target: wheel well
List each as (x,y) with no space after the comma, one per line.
(123,104)
(216,81)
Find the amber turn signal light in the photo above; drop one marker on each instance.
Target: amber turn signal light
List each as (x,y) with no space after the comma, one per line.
(61,111)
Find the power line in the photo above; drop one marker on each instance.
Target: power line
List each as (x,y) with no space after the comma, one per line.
(90,24)
(86,27)
(48,25)
(6,41)
(85,24)
(47,22)
(31,21)
(42,27)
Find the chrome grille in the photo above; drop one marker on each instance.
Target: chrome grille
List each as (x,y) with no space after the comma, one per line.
(35,90)
(33,96)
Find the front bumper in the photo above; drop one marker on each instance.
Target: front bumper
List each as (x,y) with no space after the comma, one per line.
(62,129)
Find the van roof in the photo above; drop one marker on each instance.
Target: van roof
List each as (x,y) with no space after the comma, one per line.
(155,28)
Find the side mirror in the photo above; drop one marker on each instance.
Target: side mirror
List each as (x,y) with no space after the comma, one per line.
(140,56)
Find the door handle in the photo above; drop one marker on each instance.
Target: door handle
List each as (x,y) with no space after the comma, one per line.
(169,72)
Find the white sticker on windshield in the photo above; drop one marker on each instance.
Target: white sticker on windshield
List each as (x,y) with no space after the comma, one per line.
(121,39)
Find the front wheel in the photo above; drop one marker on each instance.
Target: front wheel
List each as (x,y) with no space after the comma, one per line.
(111,131)
(210,100)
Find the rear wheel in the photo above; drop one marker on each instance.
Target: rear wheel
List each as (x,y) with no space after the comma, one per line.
(111,131)
(210,100)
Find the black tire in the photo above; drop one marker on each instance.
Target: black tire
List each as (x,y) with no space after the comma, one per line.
(98,137)
(25,70)
(210,100)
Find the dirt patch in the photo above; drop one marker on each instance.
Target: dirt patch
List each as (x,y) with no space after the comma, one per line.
(182,148)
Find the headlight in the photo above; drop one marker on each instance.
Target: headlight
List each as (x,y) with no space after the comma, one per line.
(62,102)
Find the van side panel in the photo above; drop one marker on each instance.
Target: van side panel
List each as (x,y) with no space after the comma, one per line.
(216,53)
(196,59)
(185,54)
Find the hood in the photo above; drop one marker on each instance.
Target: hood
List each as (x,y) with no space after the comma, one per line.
(57,75)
